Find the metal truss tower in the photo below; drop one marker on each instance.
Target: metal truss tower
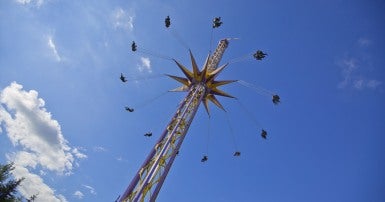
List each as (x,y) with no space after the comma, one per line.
(201,87)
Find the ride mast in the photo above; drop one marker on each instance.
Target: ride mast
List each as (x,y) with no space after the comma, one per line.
(201,87)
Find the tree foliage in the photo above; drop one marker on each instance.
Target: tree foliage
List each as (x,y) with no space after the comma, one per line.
(8,185)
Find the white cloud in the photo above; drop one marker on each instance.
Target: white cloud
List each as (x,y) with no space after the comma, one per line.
(42,173)
(90,189)
(52,46)
(364,42)
(78,154)
(34,185)
(78,194)
(361,84)
(348,66)
(25,159)
(38,3)
(100,149)
(32,127)
(358,84)
(39,139)
(23,1)
(145,65)
(61,198)
(373,83)
(122,19)
(352,73)
(354,70)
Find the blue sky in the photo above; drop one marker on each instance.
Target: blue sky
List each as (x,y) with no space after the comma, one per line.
(63,123)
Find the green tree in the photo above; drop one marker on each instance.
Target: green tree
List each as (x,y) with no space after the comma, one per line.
(8,185)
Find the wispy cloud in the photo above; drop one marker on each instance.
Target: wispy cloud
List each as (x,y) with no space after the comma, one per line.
(90,189)
(78,194)
(100,149)
(348,66)
(78,154)
(122,19)
(373,83)
(35,2)
(145,65)
(353,71)
(52,46)
(38,3)
(353,76)
(37,138)
(364,42)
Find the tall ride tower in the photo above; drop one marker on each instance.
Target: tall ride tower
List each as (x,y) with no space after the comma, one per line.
(201,87)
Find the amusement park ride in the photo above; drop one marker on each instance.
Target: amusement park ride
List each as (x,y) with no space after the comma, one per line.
(201,86)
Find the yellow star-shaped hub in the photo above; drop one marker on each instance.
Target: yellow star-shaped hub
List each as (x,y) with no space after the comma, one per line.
(206,77)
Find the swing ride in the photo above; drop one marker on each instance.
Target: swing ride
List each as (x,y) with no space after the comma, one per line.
(201,85)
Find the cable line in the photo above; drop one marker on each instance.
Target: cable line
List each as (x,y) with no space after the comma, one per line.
(136,78)
(231,132)
(175,34)
(145,103)
(257,89)
(241,58)
(249,114)
(211,40)
(155,54)
(208,136)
